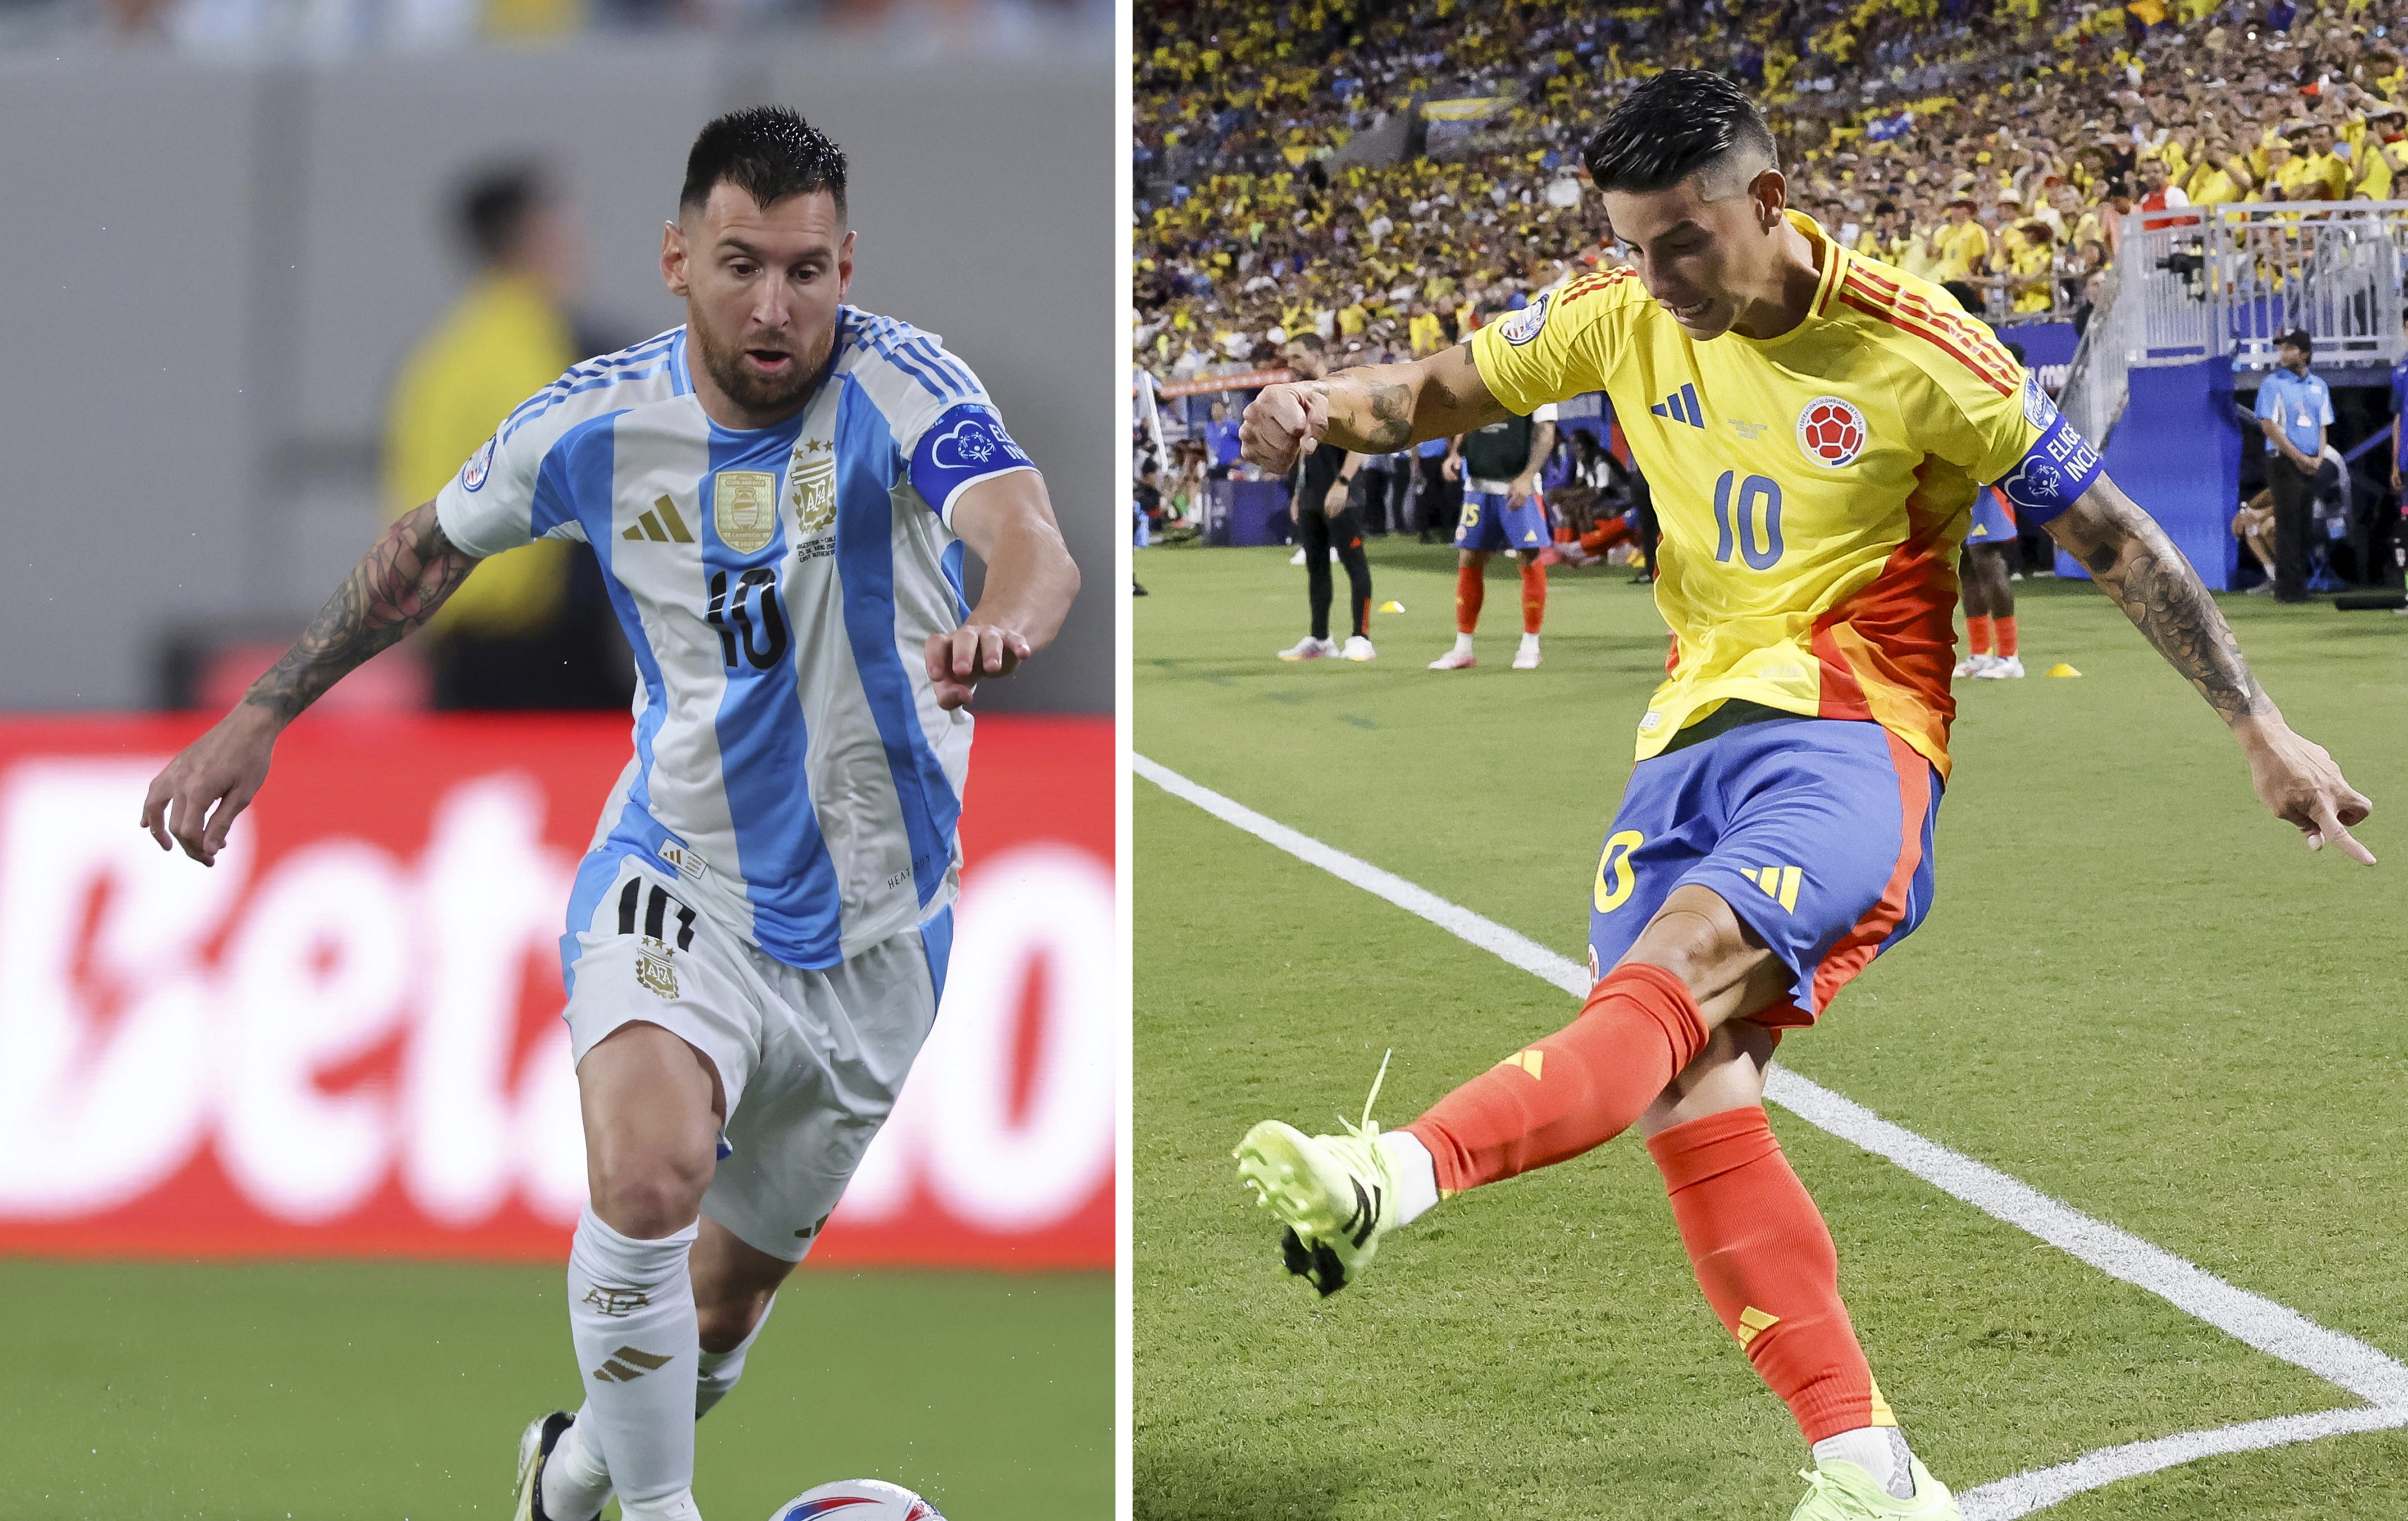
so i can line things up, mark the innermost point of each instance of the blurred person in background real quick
(1221, 437)
(532, 628)
(2293, 408)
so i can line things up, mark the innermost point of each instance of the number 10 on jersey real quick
(1755, 495)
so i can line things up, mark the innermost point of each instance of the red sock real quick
(1578, 1089)
(1470, 591)
(2006, 628)
(1977, 634)
(1534, 594)
(1605, 536)
(1767, 1264)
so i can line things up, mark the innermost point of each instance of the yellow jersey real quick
(493, 350)
(1812, 489)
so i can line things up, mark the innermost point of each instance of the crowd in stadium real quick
(1388, 173)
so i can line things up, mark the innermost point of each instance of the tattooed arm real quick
(2133, 562)
(1373, 410)
(395, 587)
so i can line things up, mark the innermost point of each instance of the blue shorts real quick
(1816, 831)
(1994, 522)
(1488, 523)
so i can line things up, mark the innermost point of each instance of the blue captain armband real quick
(2057, 468)
(962, 448)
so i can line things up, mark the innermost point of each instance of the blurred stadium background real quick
(288, 1149)
(2134, 993)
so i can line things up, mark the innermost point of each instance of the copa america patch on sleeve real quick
(1524, 326)
(2057, 468)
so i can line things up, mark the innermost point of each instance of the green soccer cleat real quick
(1337, 1194)
(1839, 1490)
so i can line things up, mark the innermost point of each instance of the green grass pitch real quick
(2136, 992)
(390, 1391)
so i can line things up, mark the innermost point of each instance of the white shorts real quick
(811, 1061)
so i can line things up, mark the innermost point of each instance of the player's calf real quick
(651, 1108)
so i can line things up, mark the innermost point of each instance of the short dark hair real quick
(1968, 298)
(494, 205)
(1309, 339)
(768, 151)
(2297, 338)
(1673, 125)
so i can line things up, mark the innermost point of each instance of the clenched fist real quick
(1282, 422)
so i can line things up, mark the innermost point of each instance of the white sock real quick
(1462, 645)
(631, 1317)
(716, 1373)
(1530, 641)
(1416, 1174)
(1879, 1451)
(576, 1485)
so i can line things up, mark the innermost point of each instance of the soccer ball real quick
(857, 1499)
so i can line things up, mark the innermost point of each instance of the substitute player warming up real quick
(779, 492)
(1502, 509)
(1776, 833)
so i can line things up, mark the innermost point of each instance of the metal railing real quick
(2097, 381)
(2228, 281)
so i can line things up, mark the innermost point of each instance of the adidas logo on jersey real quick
(1681, 406)
(661, 524)
(1780, 883)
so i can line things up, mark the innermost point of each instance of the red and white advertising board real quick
(344, 1040)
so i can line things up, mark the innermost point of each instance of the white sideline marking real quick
(2020, 1494)
(2274, 1329)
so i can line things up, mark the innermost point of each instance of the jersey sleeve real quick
(1562, 344)
(2014, 437)
(491, 504)
(946, 428)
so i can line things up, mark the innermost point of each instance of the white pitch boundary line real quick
(2275, 1330)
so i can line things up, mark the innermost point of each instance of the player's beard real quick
(763, 395)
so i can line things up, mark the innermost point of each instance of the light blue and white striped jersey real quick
(777, 588)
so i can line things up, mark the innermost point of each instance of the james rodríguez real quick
(779, 491)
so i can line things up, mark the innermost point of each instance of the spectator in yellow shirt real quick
(2328, 169)
(1963, 245)
(508, 637)
(2031, 266)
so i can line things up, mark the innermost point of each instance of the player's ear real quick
(673, 258)
(1772, 193)
(844, 265)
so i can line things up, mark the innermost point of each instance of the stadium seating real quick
(1389, 173)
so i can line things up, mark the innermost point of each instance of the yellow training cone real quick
(2061, 668)
(1391, 606)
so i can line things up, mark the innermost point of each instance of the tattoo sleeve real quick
(1380, 408)
(395, 587)
(2133, 562)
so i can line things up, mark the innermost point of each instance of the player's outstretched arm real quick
(395, 587)
(2133, 562)
(1374, 408)
(1007, 519)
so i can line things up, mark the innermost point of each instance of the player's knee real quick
(647, 1193)
(1698, 938)
(725, 1322)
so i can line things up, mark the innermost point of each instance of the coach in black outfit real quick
(1324, 519)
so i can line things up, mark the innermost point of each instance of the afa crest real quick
(655, 972)
(743, 508)
(812, 493)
